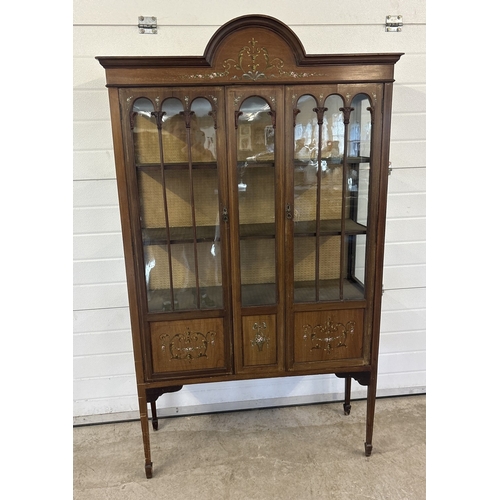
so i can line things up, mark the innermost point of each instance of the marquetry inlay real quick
(252, 62)
(328, 336)
(188, 345)
(260, 338)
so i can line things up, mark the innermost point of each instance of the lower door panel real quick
(328, 335)
(188, 345)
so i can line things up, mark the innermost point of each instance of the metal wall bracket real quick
(147, 25)
(393, 23)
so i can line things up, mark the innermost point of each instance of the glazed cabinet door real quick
(175, 156)
(330, 203)
(255, 172)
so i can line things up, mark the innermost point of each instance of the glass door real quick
(255, 170)
(328, 184)
(177, 178)
(177, 155)
(331, 167)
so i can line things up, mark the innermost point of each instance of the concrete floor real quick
(309, 452)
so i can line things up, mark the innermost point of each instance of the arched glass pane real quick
(152, 213)
(205, 198)
(179, 193)
(357, 190)
(305, 198)
(174, 136)
(203, 131)
(256, 199)
(191, 204)
(146, 143)
(318, 181)
(330, 199)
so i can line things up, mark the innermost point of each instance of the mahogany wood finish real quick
(252, 186)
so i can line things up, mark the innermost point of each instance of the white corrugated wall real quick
(104, 379)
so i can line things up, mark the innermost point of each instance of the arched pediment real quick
(281, 38)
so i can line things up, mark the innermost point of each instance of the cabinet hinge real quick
(390, 168)
(147, 25)
(393, 23)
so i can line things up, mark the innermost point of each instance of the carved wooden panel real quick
(259, 340)
(187, 345)
(328, 335)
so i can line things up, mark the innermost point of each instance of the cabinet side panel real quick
(126, 231)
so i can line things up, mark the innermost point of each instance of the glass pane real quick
(318, 181)
(179, 204)
(149, 181)
(304, 258)
(354, 286)
(206, 204)
(146, 142)
(157, 278)
(174, 136)
(357, 189)
(330, 199)
(332, 163)
(359, 164)
(256, 199)
(305, 199)
(329, 267)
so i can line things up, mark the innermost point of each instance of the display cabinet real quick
(252, 186)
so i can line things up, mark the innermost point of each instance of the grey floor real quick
(295, 453)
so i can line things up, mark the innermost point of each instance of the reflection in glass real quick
(146, 142)
(330, 198)
(256, 200)
(178, 186)
(357, 189)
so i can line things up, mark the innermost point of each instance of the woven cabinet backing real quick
(205, 191)
(183, 265)
(305, 190)
(305, 258)
(174, 140)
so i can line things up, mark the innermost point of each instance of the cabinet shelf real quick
(329, 290)
(255, 164)
(298, 163)
(328, 227)
(177, 166)
(333, 160)
(185, 299)
(332, 227)
(158, 235)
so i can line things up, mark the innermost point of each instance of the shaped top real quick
(245, 50)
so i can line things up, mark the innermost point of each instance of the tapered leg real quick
(370, 414)
(154, 415)
(143, 411)
(347, 403)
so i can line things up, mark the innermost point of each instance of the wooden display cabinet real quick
(252, 186)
